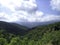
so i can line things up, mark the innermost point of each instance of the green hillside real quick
(40, 35)
(13, 28)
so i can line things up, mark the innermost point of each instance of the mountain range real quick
(13, 27)
(15, 34)
(19, 29)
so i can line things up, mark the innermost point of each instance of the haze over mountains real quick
(34, 24)
(31, 24)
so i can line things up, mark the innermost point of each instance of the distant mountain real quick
(13, 27)
(34, 24)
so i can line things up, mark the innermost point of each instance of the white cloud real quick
(55, 4)
(6, 17)
(34, 18)
(50, 17)
(24, 10)
(17, 16)
(21, 4)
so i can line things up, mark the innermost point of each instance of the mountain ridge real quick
(13, 28)
(11, 34)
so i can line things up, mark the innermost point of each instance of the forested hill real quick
(13, 28)
(14, 34)
(38, 31)
(55, 26)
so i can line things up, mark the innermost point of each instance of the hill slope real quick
(13, 28)
(38, 31)
(40, 35)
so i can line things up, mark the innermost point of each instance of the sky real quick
(29, 10)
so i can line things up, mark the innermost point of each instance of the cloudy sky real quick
(29, 10)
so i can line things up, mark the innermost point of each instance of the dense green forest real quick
(14, 34)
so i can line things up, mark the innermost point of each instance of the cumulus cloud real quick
(55, 4)
(19, 4)
(24, 11)
(21, 15)
(28, 18)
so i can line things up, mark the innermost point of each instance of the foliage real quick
(40, 35)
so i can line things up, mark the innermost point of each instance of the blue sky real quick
(29, 10)
(44, 5)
